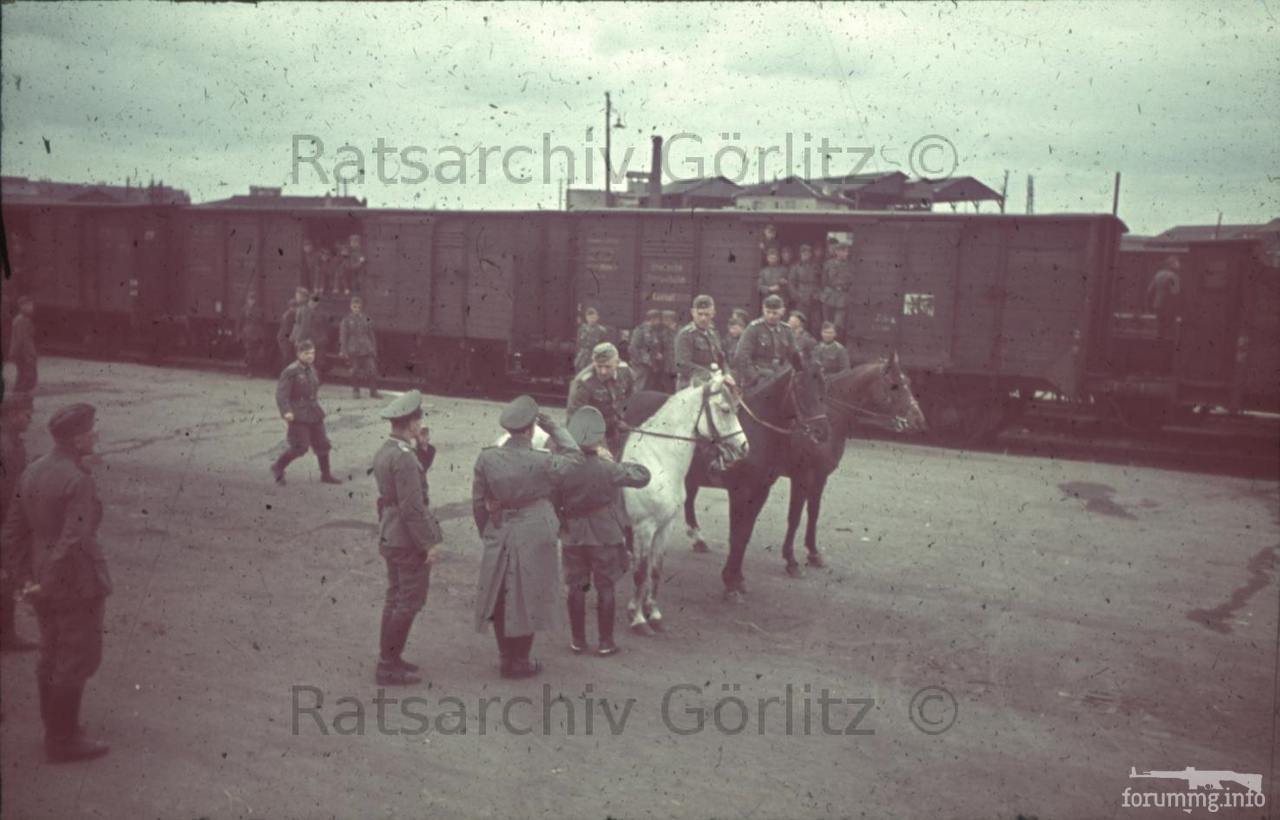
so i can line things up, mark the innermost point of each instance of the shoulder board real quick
(585, 374)
(404, 447)
(623, 366)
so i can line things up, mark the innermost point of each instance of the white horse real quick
(706, 412)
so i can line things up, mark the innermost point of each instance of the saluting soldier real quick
(590, 334)
(606, 385)
(644, 351)
(511, 501)
(698, 344)
(767, 345)
(16, 409)
(297, 399)
(22, 345)
(358, 343)
(837, 277)
(408, 534)
(52, 553)
(669, 328)
(805, 343)
(829, 353)
(595, 524)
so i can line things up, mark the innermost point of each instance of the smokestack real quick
(655, 175)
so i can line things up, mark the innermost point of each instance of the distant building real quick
(267, 197)
(789, 194)
(15, 189)
(1268, 233)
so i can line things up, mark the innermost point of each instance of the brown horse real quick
(877, 393)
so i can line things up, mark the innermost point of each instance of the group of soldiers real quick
(814, 280)
(338, 269)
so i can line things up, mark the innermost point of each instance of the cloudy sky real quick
(1183, 99)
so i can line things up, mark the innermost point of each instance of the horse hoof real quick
(655, 624)
(816, 560)
(793, 570)
(642, 629)
(734, 596)
(701, 546)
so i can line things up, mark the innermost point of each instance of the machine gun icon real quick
(1205, 780)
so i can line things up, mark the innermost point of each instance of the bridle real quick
(897, 421)
(704, 409)
(803, 424)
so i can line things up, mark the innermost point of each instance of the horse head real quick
(718, 420)
(889, 392)
(808, 390)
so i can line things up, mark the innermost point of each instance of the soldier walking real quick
(22, 345)
(358, 343)
(52, 553)
(16, 409)
(766, 347)
(606, 385)
(408, 534)
(296, 398)
(698, 344)
(511, 501)
(594, 533)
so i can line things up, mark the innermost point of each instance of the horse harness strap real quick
(802, 423)
(695, 438)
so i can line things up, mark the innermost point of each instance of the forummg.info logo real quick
(1210, 790)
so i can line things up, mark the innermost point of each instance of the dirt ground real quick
(997, 636)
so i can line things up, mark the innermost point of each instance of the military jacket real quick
(297, 392)
(837, 275)
(832, 356)
(306, 324)
(696, 351)
(770, 276)
(609, 396)
(404, 515)
(806, 278)
(805, 343)
(590, 500)
(51, 530)
(356, 336)
(645, 347)
(588, 337)
(285, 331)
(763, 349)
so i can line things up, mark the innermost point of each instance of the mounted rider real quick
(767, 346)
(698, 344)
(606, 385)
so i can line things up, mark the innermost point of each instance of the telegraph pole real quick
(608, 145)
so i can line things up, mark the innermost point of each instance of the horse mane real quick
(856, 379)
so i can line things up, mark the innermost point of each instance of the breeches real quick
(599, 565)
(304, 434)
(70, 640)
(408, 578)
(364, 368)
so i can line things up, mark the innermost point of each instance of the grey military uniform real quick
(609, 396)
(404, 516)
(763, 350)
(307, 324)
(696, 351)
(297, 392)
(511, 500)
(832, 356)
(595, 520)
(771, 277)
(588, 337)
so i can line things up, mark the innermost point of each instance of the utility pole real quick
(1115, 197)
(1031, 194)
(1004, 190)
(608, 145)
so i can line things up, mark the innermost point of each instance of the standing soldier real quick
(644, 351)
(408, 534)
(1162, 297)
(829, 353)
(511, 501)
(767, 346)
(296, 397)
(668, 339)
(307, 322)
(805, 279)
(353, 264)
(805, 343)
(358, 344)
(773, 276)
(698, 344)
(284, 334)
(22, 345)
(16, 409)
(51, 539)
(837, 277)
(595, 524)
(253, 335)
(606, 385)
(736, 326)
(590, 334)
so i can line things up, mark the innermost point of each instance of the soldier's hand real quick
(431, 553)
(424, 437)
(604, 453)
(544, 421)
(288, 417)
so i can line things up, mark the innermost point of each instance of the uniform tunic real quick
(837, 275)
(406, 527)
(51, 537)
(609, 396)
(644, 354)
(832, 356)
(806, 280)
(772, 276)
(511, 501)
(357, 342)
(731, 346)
(763, 350)
(284, 334)
(595, 519)
(696, 351)
(306, 325)
(805, 343)
(297, 392)
(588, 337)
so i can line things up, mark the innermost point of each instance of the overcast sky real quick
(1183, 99)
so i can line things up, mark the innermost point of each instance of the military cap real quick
(408, 405)
(19, 401)
(519, 414)
(587, 426)
(71, 421)
(653, 313)
(703, 301)
(604, 352)
(799, 315)
(668, 314)
(773, 300)
(736, 320)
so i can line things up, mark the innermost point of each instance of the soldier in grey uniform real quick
(594, 528)
(698, 344)
(359, 344)
(767, 346)
(22, 345)
(16, 409)
(253, 336)
(52, 553)
(804, 283)
(644, 351)
(667, 337)
(590, 334)
(296, 398)
(307, 322)
(408, 534)
(736, 325)
(829, 353)
(805, 343)
(773, 278)
(837, 278)
(284, 333)
(606, 385)
(511, 500)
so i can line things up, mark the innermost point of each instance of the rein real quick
(703, 409)
(801, 423)
(862, 412)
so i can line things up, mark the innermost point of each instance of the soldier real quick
(590, 334)
(1162, 297)
(773, 276)
(805, 343)
(307, 322)
(408, 534)
(359, 344)
(669, 329)
(53, 555)
(606, 385)
(16, 409)
(253, 335)
(698, 344)
(351, 267)
(829, 353)
(736, 326)
(767, 345)
(805, 278)
(22, 345)
(644, 351)
(296, 398)
(768, 240)
(511, 501)
(594, 532)
(837, 278)
(284, 333)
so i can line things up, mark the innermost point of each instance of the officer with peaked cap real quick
(16, 409)
(766, 346)
(52, 553)
(408, 534)
(607, 385)
(511, 500)
(594, 534)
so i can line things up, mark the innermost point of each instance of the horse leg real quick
(691, 512)
(811, 526)
(744, 507)
(794, 509)
(651, 611)
(644, 544)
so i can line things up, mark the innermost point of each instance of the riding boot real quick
(326, 476)
(500, 634)
(10, 640)
(65, 743)
(391, 670)
(278, 467)
(578, 620)
(606, 606)
(355, 392)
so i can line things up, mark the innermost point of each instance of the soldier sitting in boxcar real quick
(590, 334)
(606, 385)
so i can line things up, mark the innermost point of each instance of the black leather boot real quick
(277, 468)
(606, 607)
(392, 671)
(66, 744)
(325, 475)
(578, 621)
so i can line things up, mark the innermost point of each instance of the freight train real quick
(990, 313)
